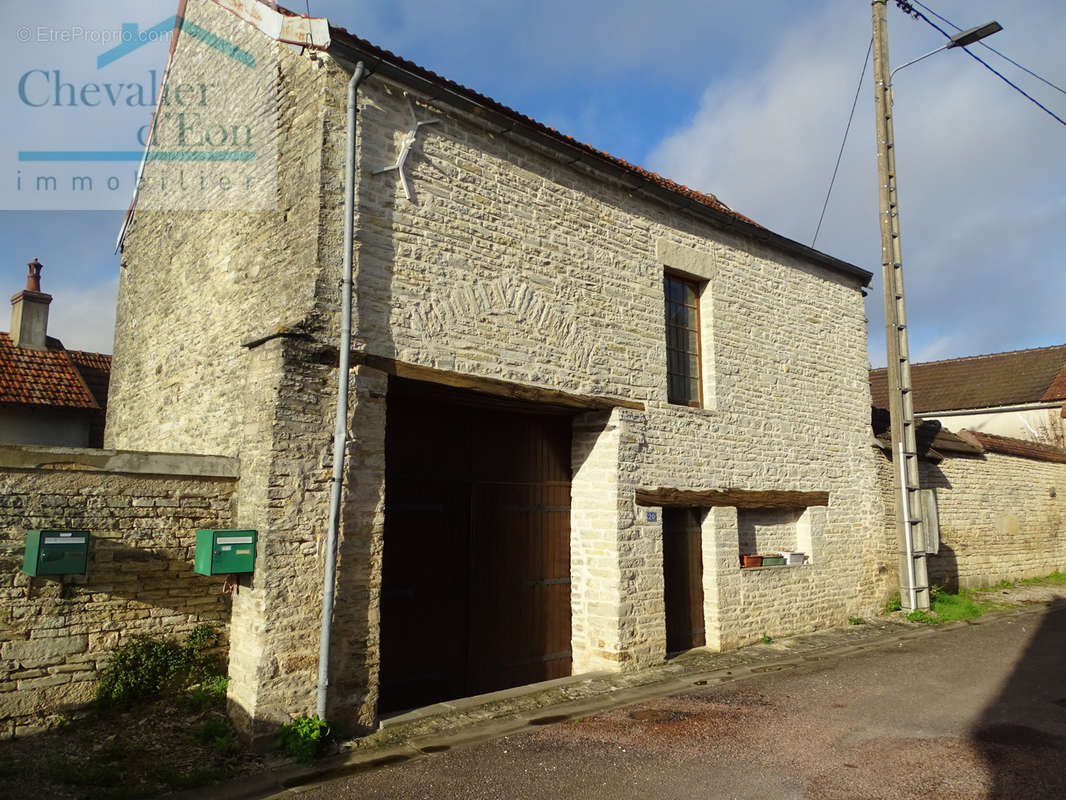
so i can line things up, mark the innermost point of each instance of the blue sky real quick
(744, 100)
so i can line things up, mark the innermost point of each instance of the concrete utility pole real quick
(913, 572)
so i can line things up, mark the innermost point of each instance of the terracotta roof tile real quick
(1057, 389)
(95, 369)
(986, 381)
(1016, 447)
(46, 378)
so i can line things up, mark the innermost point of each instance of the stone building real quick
(580, 391)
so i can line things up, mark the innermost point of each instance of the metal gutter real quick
(343, 46)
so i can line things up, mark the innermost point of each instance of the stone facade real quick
(142, 512)
(1001, 518)
(508, 268)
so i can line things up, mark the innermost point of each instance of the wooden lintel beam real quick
(493, 386)
(741, 498)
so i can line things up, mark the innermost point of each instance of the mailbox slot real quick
(54, 552)
(224, 552)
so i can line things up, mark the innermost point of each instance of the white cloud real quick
(980, 170)
(83, 316)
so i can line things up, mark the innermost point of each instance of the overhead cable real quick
(851, 116)
(984, 44)
(909, 9)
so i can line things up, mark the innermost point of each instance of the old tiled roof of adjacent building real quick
(56, 377)
(987, 381)
(932, 438)
(993, 443)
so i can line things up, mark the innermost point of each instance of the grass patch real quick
(856, 621)
(952, 607)
(1054, 579)
(946, 607)
(895, 603)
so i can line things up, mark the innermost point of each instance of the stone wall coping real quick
(119, 461)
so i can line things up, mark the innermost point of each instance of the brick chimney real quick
(29, 312)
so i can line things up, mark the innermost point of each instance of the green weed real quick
(303, 737)
(856, 621)
(211, 693)
(766, 639)
(895, 603)
(144, 668)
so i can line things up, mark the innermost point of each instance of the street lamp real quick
(960, 39)
(913, 573)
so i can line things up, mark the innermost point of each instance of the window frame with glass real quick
(684, 367)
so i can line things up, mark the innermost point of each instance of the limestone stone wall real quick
(509, 264)
(142, 512)
(198, 283)
(1001, 518)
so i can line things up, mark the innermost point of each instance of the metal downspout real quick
(340, 428)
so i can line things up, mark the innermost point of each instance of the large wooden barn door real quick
(683, 579)
(476, 572)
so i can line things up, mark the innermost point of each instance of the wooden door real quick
(476, 583)
(423, 613)
(683, 579)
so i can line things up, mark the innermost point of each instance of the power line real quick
(840, 155)
(994, 50)
(907, 8)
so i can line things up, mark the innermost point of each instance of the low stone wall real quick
(1002, 517)
(142, 511)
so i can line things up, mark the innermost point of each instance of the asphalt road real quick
(971, 712)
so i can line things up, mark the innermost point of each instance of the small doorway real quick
(683, 579)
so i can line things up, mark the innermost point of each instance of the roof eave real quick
(344, 47)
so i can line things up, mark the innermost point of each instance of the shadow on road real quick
(1022, 734)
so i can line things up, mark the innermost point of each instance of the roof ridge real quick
(980, 355)
(89, 353)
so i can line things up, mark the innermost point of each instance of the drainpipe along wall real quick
(340, 427)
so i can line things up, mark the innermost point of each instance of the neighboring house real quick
(580, 391)
(1020, 394)
(48, 395)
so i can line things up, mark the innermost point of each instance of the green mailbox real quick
(50, 552)
(224, 552)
